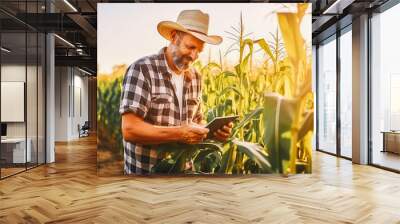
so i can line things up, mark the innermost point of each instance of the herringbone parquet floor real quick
(69, 191)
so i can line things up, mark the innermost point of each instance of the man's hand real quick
(198, 119)
(224, 133)
(193, 133)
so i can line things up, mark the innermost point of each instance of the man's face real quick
(185, 49)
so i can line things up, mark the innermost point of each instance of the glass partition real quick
(22, 78)
(385, 89)
(346, 93)
(327, 96)
(13, 102)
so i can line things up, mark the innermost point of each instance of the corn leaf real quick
(229, 89)
(263, 44)
(248, 118)
(255, 152)
(307, 125)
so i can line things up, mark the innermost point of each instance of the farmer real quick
(161, 95)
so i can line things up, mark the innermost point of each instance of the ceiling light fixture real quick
(84, 71)
(70, 5)
(5, 50)
(333, 8)
(64, 40)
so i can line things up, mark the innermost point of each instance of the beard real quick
(182, 62)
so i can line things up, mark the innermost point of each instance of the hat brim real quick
(165, 29)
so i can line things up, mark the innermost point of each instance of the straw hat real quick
(194, 22)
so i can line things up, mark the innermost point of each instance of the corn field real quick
(273, 99)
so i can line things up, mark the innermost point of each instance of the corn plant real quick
(293, 134)
(108, 118)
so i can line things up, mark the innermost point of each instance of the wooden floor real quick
(10, 171)
(387, 159)
(69, 191)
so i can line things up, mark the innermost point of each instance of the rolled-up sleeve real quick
(136, 92)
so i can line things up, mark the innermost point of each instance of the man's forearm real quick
(136, 130)
(157, 135)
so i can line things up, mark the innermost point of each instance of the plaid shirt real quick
(149, 93)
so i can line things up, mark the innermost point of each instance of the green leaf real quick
(227, 159)
(164, 166)
(307, 125)
(238, 69)
(248, 118)
(208, 145)
(254, 152)
(210, 66)
(210, 115)
(278, 117)
(207, 160)
(229, 89)
(251, 166)
(246, 42)
(227, 74)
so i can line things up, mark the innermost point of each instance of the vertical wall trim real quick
(37, 94)
(338, 77)
(69, 98)
(73, 92)
(360, 90)
(60, 89)
(369, 90)
(80, 102)
(316, 96)
(25, 89)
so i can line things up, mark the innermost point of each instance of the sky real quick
(128, 31)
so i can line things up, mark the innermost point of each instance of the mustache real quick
(182, 58)
(188, 58)
(179, 61)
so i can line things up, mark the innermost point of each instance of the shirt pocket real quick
(161, 109)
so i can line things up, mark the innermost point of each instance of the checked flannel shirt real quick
(148, 92)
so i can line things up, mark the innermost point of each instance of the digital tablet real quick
(218, 122)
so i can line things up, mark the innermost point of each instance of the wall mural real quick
(210, 89)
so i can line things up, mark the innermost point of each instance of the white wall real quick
(71, 94)
(80, 110)
(16, 73)
(33, 127)
(61, 103)
(12, 73)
